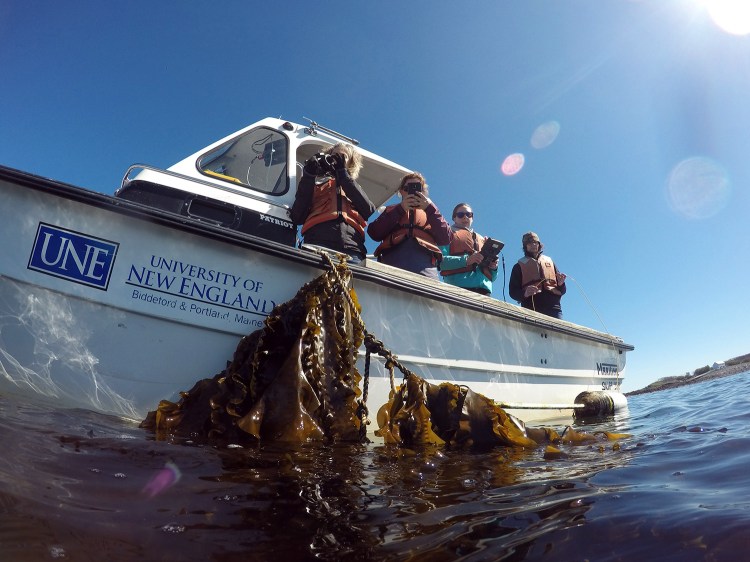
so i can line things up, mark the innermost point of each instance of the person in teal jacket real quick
(462, 263)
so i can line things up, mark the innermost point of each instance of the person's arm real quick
(493, 271)
(439, 228)
(355, 193)
(302, 200)
(386, 223)
(514, 285)
(562, 287)
(450, 262)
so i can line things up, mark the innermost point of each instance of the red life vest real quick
(419, 230)
(329, 203)
(540, 269)
(466, 242)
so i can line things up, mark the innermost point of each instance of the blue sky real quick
(641, 197)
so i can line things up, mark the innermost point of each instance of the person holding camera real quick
(330, 205)
(534, 281)
(464, 264)
(411, 231)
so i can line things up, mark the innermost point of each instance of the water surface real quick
(73, 486)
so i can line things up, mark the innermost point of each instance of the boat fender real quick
(598, 404)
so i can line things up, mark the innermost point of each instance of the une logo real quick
(72, 255)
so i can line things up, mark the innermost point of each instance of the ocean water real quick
(78, 485)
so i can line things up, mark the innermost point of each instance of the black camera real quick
(326, 161)
(412, 188)
(320, 164)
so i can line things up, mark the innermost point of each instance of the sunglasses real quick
(462, 214)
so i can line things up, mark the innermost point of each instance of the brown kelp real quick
(293, 380)
(296, 380)
(420, 413)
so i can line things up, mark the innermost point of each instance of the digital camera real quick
(326, 161)
(412, 188)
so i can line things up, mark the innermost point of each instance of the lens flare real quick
(545, 134)
(512, 164)
(698, 188)
(162, 480)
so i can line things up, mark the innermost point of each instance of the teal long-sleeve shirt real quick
(471, 279)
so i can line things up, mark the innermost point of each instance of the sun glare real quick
(733, 16)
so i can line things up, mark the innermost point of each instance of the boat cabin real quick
(247, 181)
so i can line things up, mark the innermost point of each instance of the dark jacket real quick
(545, 302)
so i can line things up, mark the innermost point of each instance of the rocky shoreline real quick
(676, 382)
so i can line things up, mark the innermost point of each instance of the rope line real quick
(371, 343)
(596, 312)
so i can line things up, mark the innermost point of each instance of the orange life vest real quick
(419, 230)
(466, 242)
(329, 203)
(535, 270)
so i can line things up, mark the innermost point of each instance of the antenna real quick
(314, 127)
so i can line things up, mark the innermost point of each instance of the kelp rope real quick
(372, 344)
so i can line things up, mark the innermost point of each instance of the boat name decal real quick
(172, 283)
(71, 255)
(606, 368)
(276, 220)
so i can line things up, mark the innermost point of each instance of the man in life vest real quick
(535, 282)
(411, 232)
(331, 207)
(463, 263)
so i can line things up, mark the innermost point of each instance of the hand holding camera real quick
(474, 259)
(339, 161)
(414, 197)
(313, 166)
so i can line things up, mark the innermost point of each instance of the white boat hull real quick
(177, 295)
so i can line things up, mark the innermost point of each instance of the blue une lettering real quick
(74, 256)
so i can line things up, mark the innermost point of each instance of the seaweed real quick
(296, 380)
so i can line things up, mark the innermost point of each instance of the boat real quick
(115, 302)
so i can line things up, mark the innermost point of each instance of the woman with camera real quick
(411, 231)
(464, 265)
(331, 207)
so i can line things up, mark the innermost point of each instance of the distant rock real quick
(728, 368)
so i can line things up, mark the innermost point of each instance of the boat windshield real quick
(256, 160)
